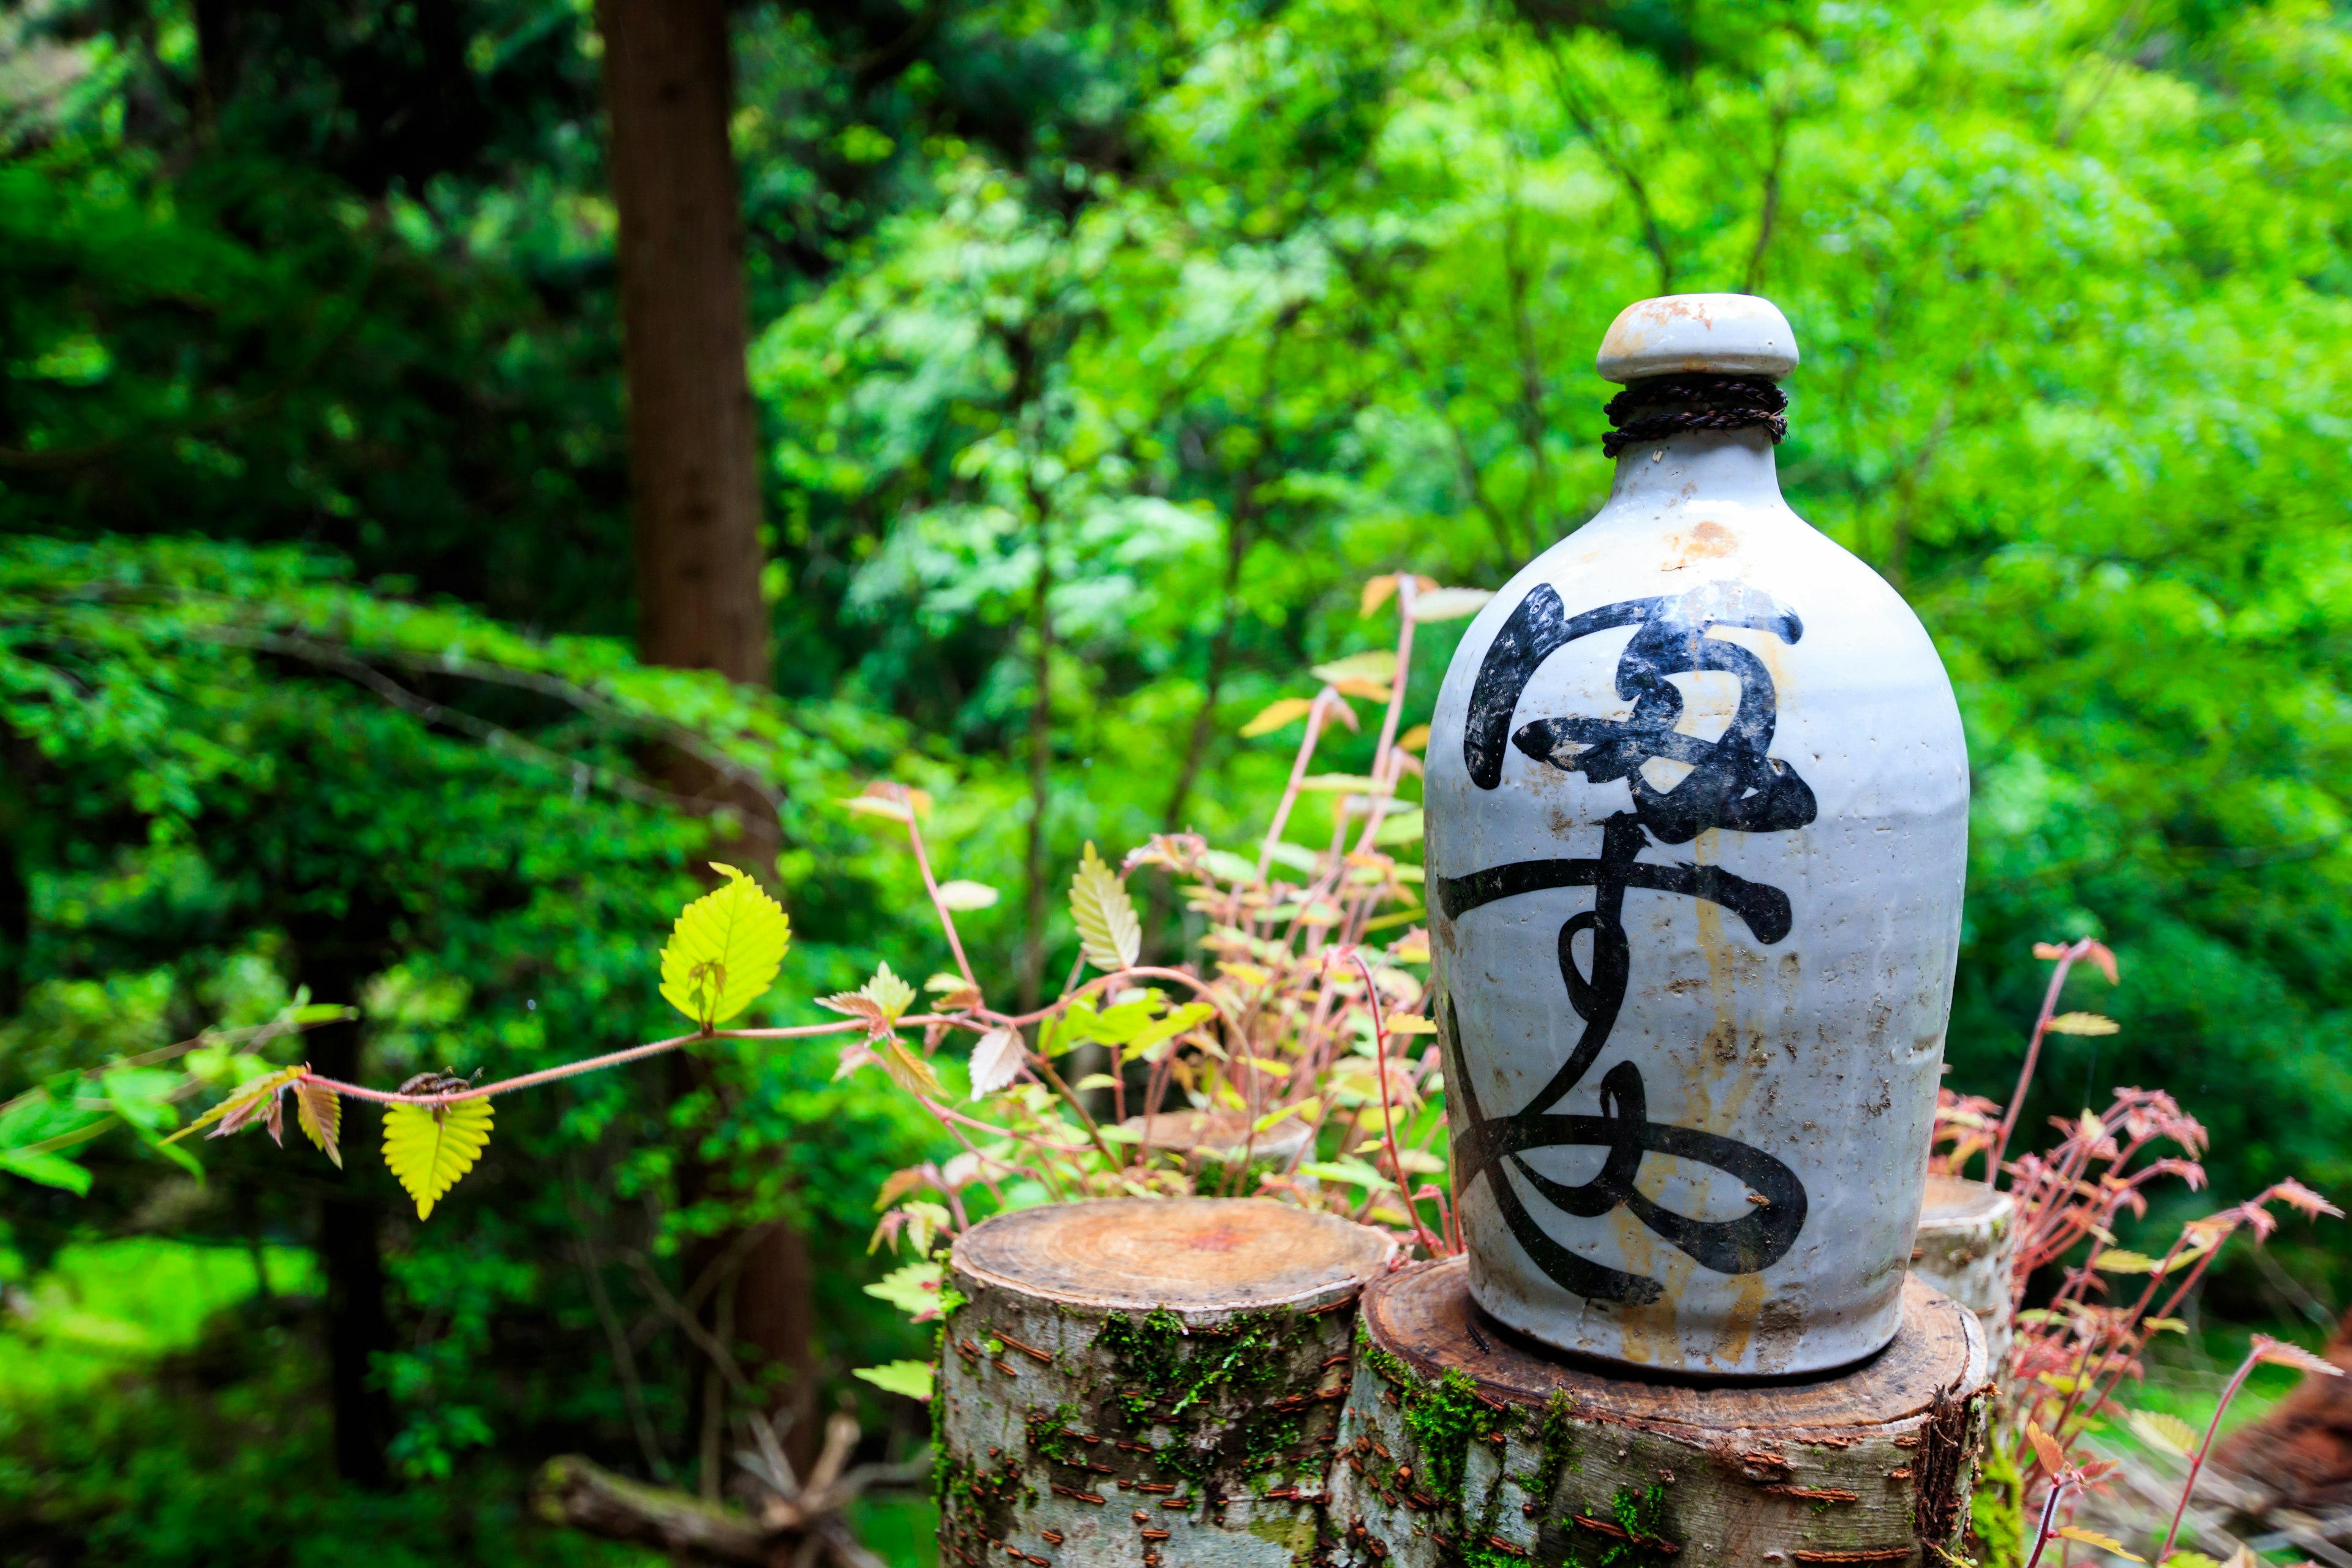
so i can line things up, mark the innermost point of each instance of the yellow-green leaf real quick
(320, 1109)
(1378, 664)
(911, 1378)
(1450, 604)
(241, 1106)
(2159, 1430)
(2120, 1260)
(907, 1070)
(2092, 1538)
(1274, 715)
(963, 894)
(428, 1151)
(2084, 1024)
(724, 952)
(1108, 932)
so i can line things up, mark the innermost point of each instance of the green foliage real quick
(724, 952)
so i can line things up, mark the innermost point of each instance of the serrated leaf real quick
(911, 1378)
(907, 1070)
(319, 1110)
(241, 1106)
(2278, 1352)
(912, 1287)
(2045, 1448)
(2084, 1024)
(724, 950)
(428, 1152)
(1108, 932)
(2159, 1430)
(961, 894)
(888, 992)
(1375, 664)
(2092, 1538)
(1275, 714)
(995, 1061)
(1450, 604)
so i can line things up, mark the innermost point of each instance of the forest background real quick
(1098, 352)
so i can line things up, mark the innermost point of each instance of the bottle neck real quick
(1721, 465)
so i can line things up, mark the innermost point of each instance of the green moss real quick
(1997, 1511)
(1556, 1448)
(1642, 1515)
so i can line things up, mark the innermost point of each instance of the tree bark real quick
(1967, 1248)
(1460, 1442)
(1146, 1379)
(694, 468)
(359, 1329)
(694, 465)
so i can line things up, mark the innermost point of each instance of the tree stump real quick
(1140, 1381)
(1967, 1244)
(1218, 1137)
(1463, 1443)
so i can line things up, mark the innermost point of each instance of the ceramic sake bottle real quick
(1697, 826)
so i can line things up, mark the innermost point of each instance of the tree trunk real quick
(358, 1327)
(1460, 1442)
(1967, 1248)
(1152, 1380)
(694, 463)
(694, 468)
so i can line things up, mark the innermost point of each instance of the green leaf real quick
(1348, 1170)
(2084, 1024)
(1227, 866)
(429, 1150)
(912, 1287)
(1450, 604)
(1189, 1015)
(725, 950)
(1398, 827)
(1108, 932)
(48, 1170)
(911, 1378)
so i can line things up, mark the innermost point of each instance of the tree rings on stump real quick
(1967, 1244)
(1146, 1381)
(1462, 1443)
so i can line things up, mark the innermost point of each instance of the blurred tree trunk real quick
(694, 466)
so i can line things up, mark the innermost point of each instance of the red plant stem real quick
(1298, 774)
(1388, 1112)
(1384, 768)
(2033, 1057)
(2230, 1392)
(572, 1070)
(2048, 1522)
(930, 886)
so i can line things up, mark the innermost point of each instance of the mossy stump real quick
(1146, 1382)
(1462, 1443)
(1966, 1246)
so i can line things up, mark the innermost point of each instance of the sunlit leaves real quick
(427, 1150)
(256, 1098)
(2163, 1431)
(2083, 1024)
(911, 1378)
(1108, 932)
(2106, 1543)
(960, 895)
(2279, 1352)
(881, 1002)
(724, 950)
(1275, 714)
(1451, 603)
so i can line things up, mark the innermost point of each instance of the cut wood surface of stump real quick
(1461, 1443)
(1966, 1243)
(1151, 1382)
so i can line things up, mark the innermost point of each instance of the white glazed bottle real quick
(1697, 829)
